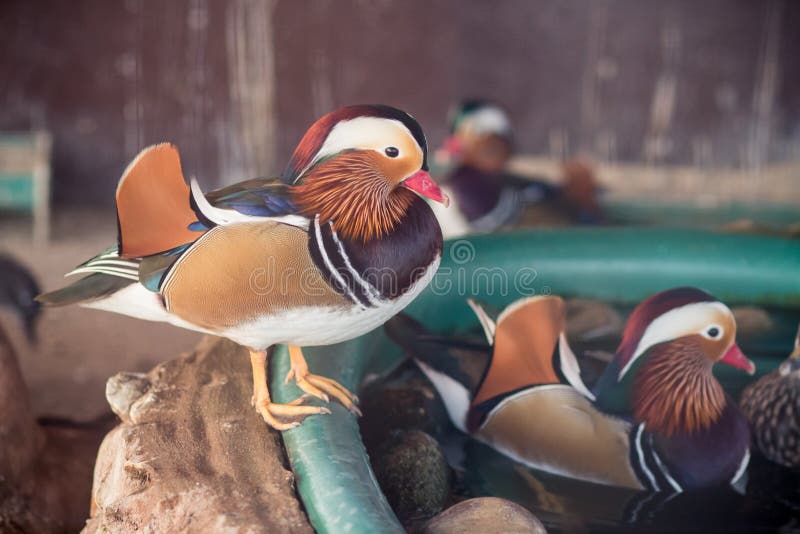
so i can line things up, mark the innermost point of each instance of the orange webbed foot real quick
(318, 386)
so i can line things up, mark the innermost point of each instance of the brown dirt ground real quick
(78, 348)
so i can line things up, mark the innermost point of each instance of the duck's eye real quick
(392, 152)
(714, 332)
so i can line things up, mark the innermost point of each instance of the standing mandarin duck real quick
(657, 420)
(332, 249)
(772, 406)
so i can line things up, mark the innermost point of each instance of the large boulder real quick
(191, 454)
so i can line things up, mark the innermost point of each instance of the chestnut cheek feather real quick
(350, 190)
(675, 389)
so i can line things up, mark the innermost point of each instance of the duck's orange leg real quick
(273, 413)
(318, 386)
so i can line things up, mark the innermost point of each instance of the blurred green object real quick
(16, 192)
(25, 178)
(618, 265)
(686, 215)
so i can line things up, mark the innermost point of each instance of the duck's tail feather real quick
(454, 366)
(108, 273)
(113, 293)
(94, 287)
(109, 262)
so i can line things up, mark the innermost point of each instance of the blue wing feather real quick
(261, 197)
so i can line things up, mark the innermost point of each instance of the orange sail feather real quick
(526, 336)
(153, 206)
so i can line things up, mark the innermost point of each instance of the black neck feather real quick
(390, 264)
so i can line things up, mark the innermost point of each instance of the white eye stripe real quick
(676, 323)
(366, 133)
(486, 120)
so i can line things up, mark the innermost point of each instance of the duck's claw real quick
(337, 391)
(318, 386)
(273, 413)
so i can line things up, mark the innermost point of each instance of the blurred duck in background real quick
(772, 406)
(18, 290)
(578, 196)
(486, 197)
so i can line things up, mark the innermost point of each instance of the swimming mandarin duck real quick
(486, 196)
(772, 406)
(657, 419)
(477, 151)
(332, 249)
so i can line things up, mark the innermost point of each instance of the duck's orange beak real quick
(421, 183)
(736, 358)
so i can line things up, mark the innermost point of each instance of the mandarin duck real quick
(18, 290)
(657, 419)
(772, 406)
(332, 249)
(486, 196)
(475, 154)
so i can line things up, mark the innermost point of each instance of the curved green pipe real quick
(330, 463)
(620, 265)
(692, 215)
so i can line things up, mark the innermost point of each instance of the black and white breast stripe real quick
(648, 465)
(330, 256)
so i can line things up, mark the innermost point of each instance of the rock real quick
(20, 438)
(45, 466)
(485, 515)
(412, 405)
(66, 466)
(413, 474)
(191, 454)
(123, 389)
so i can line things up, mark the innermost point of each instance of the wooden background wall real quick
(235, 83)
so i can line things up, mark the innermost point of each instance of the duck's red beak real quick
(453, 146)
(736, 358)
(450, 152)
(421, 183)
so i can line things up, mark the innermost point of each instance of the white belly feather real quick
(324, 325)
(307, 326)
